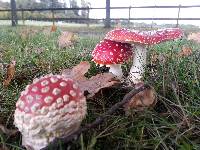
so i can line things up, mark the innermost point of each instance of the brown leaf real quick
(92, 85)
(10, 73)
(53, 28)
(78, 71)
(66, 39)
(186, 51)
(145, 98)
(98, 82)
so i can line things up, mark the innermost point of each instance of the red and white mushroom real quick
(50, 107)
(112, 54)
(140, 39)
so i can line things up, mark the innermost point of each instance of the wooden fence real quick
(88, 20)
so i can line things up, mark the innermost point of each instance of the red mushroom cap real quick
(109, 52)
(52, 106)
(143, 37)
(49, 91)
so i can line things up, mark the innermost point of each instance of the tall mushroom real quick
(112, 54)
(50, 107)
(141, 39)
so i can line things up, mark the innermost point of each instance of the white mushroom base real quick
(116, 70)
(38, 130)
(139, 62)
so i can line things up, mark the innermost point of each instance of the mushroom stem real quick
(116, 70)
(139, 62)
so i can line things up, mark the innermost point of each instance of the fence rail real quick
(100, 8)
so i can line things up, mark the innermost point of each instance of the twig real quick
(56, 142)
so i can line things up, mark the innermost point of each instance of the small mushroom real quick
(141, 39)
(52, 106)
(112, 54)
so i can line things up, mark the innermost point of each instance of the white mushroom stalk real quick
(139, 61)
(116, 70)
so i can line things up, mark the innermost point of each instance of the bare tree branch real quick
(56, 142)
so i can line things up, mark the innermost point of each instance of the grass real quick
(174, 123)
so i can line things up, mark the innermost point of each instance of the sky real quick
(147, 12)
(150, 12)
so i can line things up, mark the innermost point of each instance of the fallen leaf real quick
(98, 82)
(92, 85)
(10, 73)
(66, 39)
(186, 51)
(194, 36)
(144, 99)
(53, 28)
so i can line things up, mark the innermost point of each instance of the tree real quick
(85, 4)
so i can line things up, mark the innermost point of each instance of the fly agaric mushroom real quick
(140, 39)
(50, 107)
(112, 54)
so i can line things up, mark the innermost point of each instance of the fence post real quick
(107, 21)
(23, 17)
(177, 21)
(129, 15)
(13, 12)
(53, 17)
(88, 14)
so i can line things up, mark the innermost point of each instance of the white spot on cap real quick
(111, 53)
(20, 104)
(29, 99)
(59, 100)
(53, 79)
(35, 80)
(72, 93)
(44, 110)
(44, 83)
(38, 97)
(56, 91)
(45, 89)
(66, 98)
(35, 107)
(24, 92)
(63, 84)
(75, 86)
(48, 99)
(34, 89)
(26, 109)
